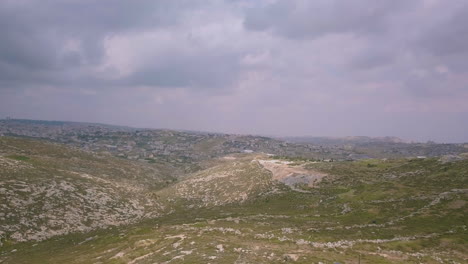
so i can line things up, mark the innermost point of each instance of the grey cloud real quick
(373, 58)
(447, 42)
(205, 69)
(35, 35)
(449, 37)
(312, 19)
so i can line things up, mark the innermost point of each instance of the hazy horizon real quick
(407, 140)
(279, 68)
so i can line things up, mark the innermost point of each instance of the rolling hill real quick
(94, 208)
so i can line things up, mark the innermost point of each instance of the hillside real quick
(234, 181)
(243, 208)
(184, 149)
(187, 149)
(48, 190)
(344, 140)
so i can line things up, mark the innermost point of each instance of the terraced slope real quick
(233, 182)
(392, 211)
(48, 190)
(88, 208)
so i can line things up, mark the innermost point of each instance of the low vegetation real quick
(63, 205)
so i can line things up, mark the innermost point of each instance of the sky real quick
(284, 67)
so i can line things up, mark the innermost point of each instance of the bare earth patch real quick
(457, 204)
(292, 175)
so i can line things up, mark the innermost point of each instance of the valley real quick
(208, 201)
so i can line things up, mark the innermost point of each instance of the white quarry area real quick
(291, 175)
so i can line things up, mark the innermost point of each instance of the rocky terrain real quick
(185, 149)
(79, 202)
(48, 190)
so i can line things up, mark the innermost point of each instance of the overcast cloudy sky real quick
(302, 67)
